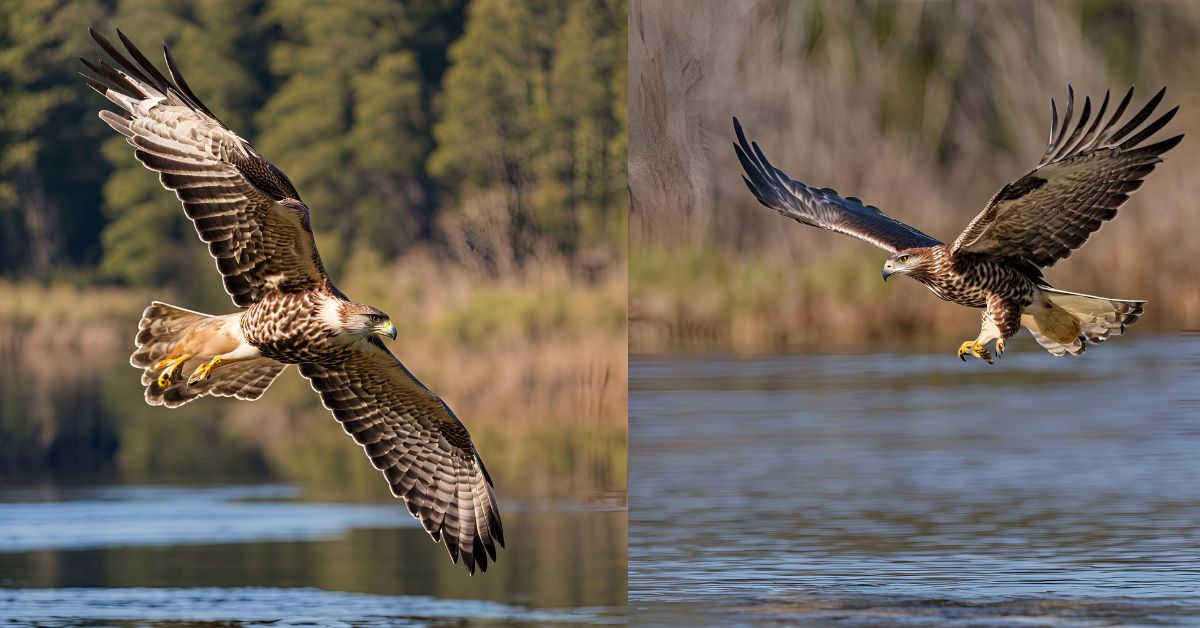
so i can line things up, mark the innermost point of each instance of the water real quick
(913, 489)
(253, 555)
(116, 513)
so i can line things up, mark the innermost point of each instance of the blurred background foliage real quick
(464, 160)
(923, 108)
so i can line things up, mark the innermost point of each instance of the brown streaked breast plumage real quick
(288, 327)
(968, 280)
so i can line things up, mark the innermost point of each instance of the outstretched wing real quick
(1081, 181)
(822, 207)
(242, 206)
(422, 448)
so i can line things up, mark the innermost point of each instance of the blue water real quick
(914, 489)
(254, 555)
(119, 516)
(261, 606)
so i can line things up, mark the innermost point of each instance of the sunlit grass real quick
(708, 297)
(65, 315)
(533, 362)
(705, 296)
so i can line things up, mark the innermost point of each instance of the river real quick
(912, 489)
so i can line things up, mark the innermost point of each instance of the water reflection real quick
(259, 606)
(123, 516)
(113, 512)
(249, 554)
(915, 487)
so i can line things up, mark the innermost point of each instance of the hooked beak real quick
(388, 329)
(886, 274)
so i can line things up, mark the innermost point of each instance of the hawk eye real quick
(902, 259)
(375, 318)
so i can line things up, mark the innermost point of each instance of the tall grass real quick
(924, 109)
(531, 358)
(66, 316)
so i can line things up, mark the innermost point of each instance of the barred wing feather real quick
(421, 447)
(1085, 176)
(821, 207)
(242, 206)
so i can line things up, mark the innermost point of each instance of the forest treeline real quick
(489, 126)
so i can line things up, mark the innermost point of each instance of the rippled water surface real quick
(253, 555)
(914, 489)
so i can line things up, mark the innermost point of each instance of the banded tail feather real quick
(173, 342)
(1069, 321)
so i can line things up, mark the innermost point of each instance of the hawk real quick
(258, 230)
(1086, 174)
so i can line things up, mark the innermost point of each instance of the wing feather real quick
(1079, 184)
(243, 207)
(423, 450)
(821, 207)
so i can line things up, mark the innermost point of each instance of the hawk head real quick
(904, 262)
(364, 320)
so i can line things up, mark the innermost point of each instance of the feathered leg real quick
(1001, 320)
(244, 352)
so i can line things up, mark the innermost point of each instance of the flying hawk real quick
(1086, 174)
(258, 230)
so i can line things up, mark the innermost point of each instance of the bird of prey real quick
(257, 229)
(1086, 174)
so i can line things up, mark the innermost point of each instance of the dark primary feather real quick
(116, 55)
(177, 75)
(1086, 174)
(159, 80)
(821, 207)
(229, 191)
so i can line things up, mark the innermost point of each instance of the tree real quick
(349, 122)
(47, 215)
(529, 110)
(588, 89)
(347, 99)
(148, 240)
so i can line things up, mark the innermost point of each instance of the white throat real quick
(330, 315)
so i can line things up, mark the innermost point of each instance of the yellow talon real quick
(203, 371)
(975, 349)
(167, 377)
(999, 348)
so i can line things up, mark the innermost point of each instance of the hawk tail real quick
(1066, 322)
(172, 342)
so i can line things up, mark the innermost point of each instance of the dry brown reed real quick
(66, 316)
(529, 354)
